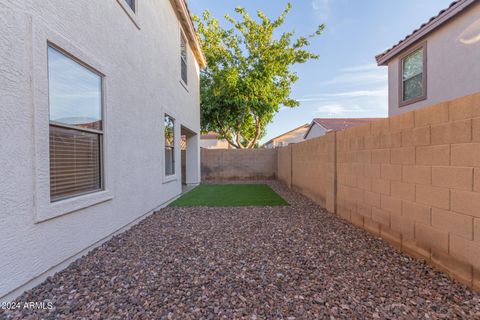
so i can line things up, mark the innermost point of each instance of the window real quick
(183, 58)
(169, 132)
(131, 4)
(76, 128)
(413, 76)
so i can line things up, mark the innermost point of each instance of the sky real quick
(345, 81)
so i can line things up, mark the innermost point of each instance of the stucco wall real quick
(452, 63)
(238, 164)
(294, 136)
(214, 144)
(142, 73)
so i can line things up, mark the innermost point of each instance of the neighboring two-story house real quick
(437, 62)
(94, 98)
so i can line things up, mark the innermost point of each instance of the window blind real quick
(75, 165)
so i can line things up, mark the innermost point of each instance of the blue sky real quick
(345, 81)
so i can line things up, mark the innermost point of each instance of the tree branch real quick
(226, 135)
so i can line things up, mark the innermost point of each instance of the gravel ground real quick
(289, 262)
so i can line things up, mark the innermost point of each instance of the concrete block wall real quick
(238, 164)
(284, 165)
(412, 179)
(312, 171)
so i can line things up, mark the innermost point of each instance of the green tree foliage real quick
(248, 75)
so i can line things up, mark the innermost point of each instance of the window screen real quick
(169, 132)
(183, 59)
(412, 75)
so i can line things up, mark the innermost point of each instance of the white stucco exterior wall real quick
(140, 58)
(316, 131)
(453, 68)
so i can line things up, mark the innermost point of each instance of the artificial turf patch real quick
(230, 195)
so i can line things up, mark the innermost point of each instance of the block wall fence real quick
(412, 179)
(238, 164)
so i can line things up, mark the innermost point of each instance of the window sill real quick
(184, 85)
(130, 13)
(59, 208)
(171, 178)
(411, 101)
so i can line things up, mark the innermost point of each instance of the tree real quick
(248, 74)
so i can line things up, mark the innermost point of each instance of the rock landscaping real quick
(282, 262)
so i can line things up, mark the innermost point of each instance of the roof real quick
(186, 21)
(304, 126)
(338, 124)
(435, 22)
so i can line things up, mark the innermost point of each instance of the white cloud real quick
(361, 75)
(320, 4)
(357, 91)
(363, 67)
(321, 8)
(363, 93)
(336, 109)
(351, 108)
(381, 92)
(358, 78)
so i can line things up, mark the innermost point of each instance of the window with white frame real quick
(76, 127)
(169, 137)
(413, 85)
(183, 58)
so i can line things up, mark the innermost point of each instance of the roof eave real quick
(314, 122)
(383, 58)
(308, 131)
(188, 27)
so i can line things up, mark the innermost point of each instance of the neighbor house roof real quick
(435, 22)
(338, 124)
(283, 135)
(186, 21)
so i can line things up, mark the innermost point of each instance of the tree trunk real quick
(251, 144)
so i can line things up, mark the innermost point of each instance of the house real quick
(283, 140)
(320, 126)
(437, 62)
(95, 96)
(211, 140)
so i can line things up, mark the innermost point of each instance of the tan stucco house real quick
(283, 140)
(212, 140)
(437, 62)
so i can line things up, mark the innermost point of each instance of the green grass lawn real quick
(230, 195)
